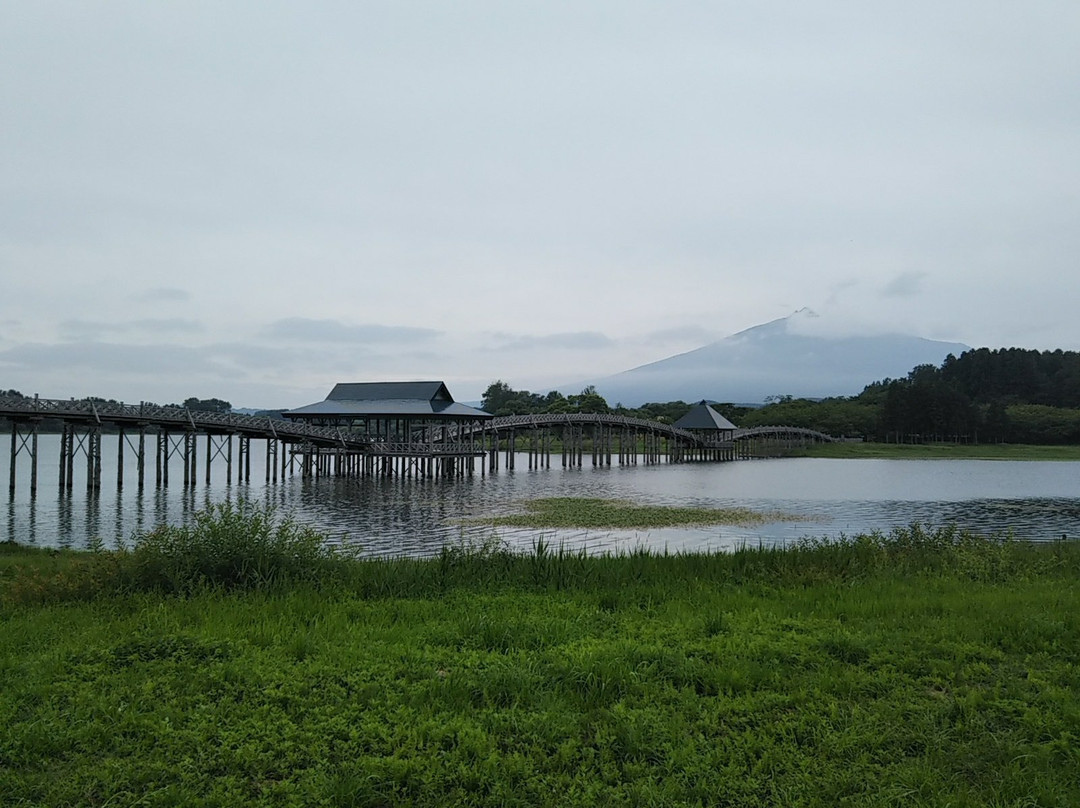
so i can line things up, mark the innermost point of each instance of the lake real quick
(1037, 501)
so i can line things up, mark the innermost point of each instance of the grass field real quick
(917, 669)
(941, 451)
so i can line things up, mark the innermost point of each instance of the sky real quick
(256, 200)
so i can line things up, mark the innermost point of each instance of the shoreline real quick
(940, 451)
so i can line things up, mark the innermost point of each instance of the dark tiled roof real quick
(702, 416)
(422, 400)
(375, 391)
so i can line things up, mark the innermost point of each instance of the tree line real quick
(196, 404)
(1009, 395)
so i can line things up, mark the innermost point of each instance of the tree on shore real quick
(1009, 395)
(207, 405)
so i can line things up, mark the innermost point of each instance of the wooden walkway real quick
(291, 446)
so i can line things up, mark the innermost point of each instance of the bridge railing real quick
(100, 412)
(577, 419)
(757, 431)
(97, 411)
(422, 449)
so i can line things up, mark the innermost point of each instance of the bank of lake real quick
(938, 451)
(921, 668)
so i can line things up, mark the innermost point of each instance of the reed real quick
(242, 547)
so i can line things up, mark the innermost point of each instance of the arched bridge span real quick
(793, 432)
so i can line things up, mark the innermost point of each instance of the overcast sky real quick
(255, 200)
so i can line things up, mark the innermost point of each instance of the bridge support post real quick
(142, 456)
(243, 455)
(123, 443)
(24, 442)
(62, 481)
(120, 459)
(191, 458)
(33, 458)
(14, 454)
(93, 458)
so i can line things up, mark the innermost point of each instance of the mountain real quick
(782, 357)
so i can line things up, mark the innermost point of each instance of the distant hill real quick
(782, 357)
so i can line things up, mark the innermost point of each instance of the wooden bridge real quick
(291, 446)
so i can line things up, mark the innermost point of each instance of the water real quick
(1037, 501)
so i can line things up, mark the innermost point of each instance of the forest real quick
(1008, 395)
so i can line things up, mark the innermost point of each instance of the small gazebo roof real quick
(703, 416)
(422, 400)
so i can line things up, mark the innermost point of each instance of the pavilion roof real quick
(703, 416)
(424, 400)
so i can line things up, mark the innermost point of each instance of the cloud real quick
(171, 324)
(104, 357)
(837, 290)
(95, 329)
(86, 329)
(309, 330)
(906, 284)
(569, 340)
(681, 334)
(163, 294)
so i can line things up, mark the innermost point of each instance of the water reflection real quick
(1036, 500)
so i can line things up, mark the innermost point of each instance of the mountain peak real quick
(800, 321)
(801, 355)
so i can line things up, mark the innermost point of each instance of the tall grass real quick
(239, 546)
(242, 547)
(226, 546)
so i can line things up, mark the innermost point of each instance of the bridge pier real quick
(124, 442)
(243, 459)
(169, 446)
(219, 446)
(24, 442)
(71, 444)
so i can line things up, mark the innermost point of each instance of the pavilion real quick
(706, 422)
(410, 428)
(398, 412)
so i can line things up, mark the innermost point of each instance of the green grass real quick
(584, 512)
(940, 451)
(922, 668)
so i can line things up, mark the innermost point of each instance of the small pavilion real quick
(399, 412)
(703, 420)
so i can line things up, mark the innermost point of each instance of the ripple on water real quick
(1035, 500)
